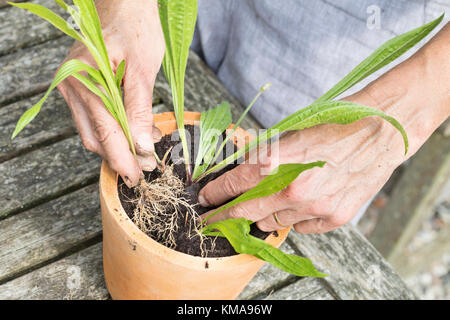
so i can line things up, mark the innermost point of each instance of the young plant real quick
(322, 111)
(178, 19)
(212, 124)
(89, 32)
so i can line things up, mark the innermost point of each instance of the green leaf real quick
(86, 17)
(337, 112)
(278, 180)
(326, 112)
(119, 73)
(230, 134)
(49, 16)
(91, 26)
(94, 89)
(62, 4)
(212, 124)
(70, 68)
(178, 19)
(384, 55)
(237, 232)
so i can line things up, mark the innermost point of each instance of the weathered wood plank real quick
(303, 289)
(267, 279)
(76, 277)
(44, 233)
(45, 173)
(53, 122)
(413, 198)
(410, 263)
(356, 269)
(30, 71)
(19, 29)
(4, 3)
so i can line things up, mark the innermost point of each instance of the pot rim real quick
(109, 191)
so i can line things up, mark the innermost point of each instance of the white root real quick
(158, 208)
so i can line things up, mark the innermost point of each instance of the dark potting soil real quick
(185, 244)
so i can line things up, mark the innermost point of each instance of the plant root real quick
(159, 206)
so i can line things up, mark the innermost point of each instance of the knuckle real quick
(89, 143)
(141, 114)
(337, 220)
(239, 212)
(319, 209)
(292, 193)
(102, 130)
(298, 228)
(230, 185)
(264, 226)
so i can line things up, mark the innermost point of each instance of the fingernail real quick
(144, 144)
(202, 201)
(128, 182)
(147, 163)
(156, 134)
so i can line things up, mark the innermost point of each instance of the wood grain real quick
(30, 71)
(356, 269)
(20, 29)
(413, 199)
(53, 122)
(76, 277)
(44, 174)
(303, 289)
(269, 278)
(49, 231)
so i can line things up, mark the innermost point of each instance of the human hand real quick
(360, 158)
(132, 32)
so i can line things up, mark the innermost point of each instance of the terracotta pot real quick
(137, 267)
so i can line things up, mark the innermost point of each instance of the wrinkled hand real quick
(132, 32)
(360, 158)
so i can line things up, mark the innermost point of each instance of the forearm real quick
(416, 93)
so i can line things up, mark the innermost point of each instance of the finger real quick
(81, 119)
(254, 210)
(156, 134)
(110, 136)
(138, 95)
(285, 218)
(146, 163)
(314, 226)
(230, 185)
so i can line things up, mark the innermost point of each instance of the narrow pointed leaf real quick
(178, 19)
(326, 112)
(70, 68)
(281, 177)
(49, 16)
(119, 73)
(237, 232)
(94, 89)
(230, 134)
(384, 55)
(212, 124)
(62, 4)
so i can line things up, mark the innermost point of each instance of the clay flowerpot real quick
(137, 267)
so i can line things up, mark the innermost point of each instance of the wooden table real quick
(50, 225)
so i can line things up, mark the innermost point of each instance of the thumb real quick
(138, 96)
